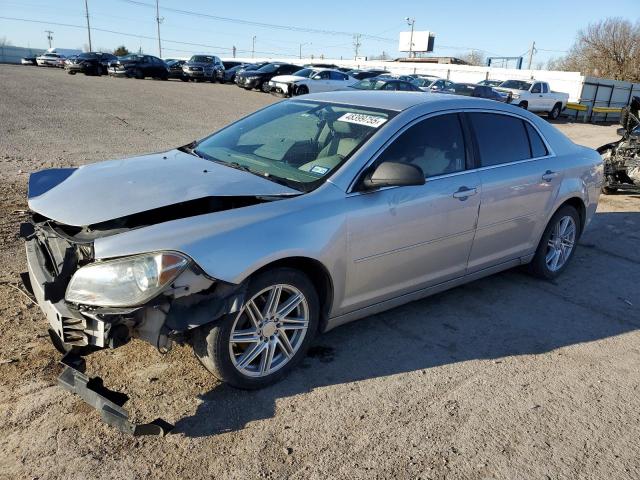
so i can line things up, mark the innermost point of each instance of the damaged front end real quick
(622, 158)
(83, 318)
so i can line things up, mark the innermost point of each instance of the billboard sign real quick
(422, 42)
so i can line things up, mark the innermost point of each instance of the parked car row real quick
(288, 79)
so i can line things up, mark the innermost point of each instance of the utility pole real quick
(253, 46)
(234, 51)
(49, 36)
(158, 19)
(86, 11)
(531, 52)
(356, 44)
(302, 45)
(411, 22)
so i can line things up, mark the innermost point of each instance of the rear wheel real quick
(557, 244)
(555, 111)
(269, 336)
(138, 74)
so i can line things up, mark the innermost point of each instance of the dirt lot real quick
(505, 378)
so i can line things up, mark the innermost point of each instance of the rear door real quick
(403, 239)
(519, 185)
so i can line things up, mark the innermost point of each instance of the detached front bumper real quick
(108, 402)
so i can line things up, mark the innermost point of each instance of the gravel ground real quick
(507, 377)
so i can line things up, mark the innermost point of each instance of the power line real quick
(146, 37)
(291, 28)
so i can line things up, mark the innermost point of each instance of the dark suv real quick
(203, 67)
(89, 63)
(260, 78)
(139, 66)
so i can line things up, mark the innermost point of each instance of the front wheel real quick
(260, 344)
(524, 105)
(302, 90)
(557, 244)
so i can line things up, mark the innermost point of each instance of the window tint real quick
(436, 145)
(536, 88)
(501, 138)
(545, 88)
(538, 149)
(337, 76)
(390, 86)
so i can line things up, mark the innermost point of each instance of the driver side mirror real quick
(621, 132)
(393, 174)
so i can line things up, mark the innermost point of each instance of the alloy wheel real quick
(561, 243)
(269, 330)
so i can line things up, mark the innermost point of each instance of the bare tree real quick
(474, 57)
(609, 48)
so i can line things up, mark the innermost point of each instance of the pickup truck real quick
(535, 96)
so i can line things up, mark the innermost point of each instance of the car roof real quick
(399, 101)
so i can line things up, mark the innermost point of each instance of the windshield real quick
(86, 56)
(516, 84)
(201, 59)
(305, 72)
(296, 143)
(369, 84)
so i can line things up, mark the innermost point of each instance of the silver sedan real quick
(303, 216)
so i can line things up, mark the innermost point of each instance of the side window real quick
(436, 145)
(325, 75)
(538, 149)
(545, 88)
(390, 86)
(337, 76)
(405, 86)
(501, 138)
(536, 88)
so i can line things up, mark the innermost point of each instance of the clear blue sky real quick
(495, 27)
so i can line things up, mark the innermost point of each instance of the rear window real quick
(501, 138)
(538, 149)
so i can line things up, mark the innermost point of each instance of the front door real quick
(402, 239)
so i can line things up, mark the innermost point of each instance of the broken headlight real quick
(125, 282)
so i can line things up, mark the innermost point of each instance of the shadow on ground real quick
(504, 315)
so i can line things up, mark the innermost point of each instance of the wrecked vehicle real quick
(303, 216)
(622, 158)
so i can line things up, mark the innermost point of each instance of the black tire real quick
(524, 105)
(137, 73)
(608, 190)
(263, 87)
(184, 79)
(555, 112)
(538, 266)
(70, 72)
(211, 342)
(302, 90)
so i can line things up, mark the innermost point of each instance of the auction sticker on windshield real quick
(362, 119)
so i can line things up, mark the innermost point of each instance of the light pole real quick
(86, 10)
(302, 45)
(253, 46)
(158, 20)
(411, 22)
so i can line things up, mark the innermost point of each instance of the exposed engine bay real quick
(622, 158)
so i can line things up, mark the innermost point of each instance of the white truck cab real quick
(536, 96)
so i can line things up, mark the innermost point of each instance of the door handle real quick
(549, 175)
(465, 192)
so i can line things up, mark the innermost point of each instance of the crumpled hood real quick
(288, 78)
(108, 190)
